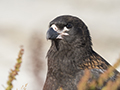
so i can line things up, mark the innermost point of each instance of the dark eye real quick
(69, 25)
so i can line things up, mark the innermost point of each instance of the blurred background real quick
(25, 22)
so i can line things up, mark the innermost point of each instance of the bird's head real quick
(69, 29)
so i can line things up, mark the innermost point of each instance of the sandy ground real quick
(20, 19)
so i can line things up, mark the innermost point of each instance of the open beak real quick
(54, 33)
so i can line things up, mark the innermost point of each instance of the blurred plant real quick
(14, 72)
(100, 83)
(60, 88)
(23, 87)
(36, 59)
(82, 84)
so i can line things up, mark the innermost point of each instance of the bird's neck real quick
(63, 50)
(65, 58)
(58, 45)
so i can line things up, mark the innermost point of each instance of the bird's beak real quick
(54, 33)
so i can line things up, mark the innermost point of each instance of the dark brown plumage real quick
(70, 54)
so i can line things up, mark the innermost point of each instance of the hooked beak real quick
(51, 34)
(54, 33)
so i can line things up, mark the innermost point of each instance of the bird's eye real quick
(69, 25)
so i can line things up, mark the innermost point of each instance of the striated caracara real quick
(70, 54)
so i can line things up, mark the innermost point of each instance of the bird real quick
(70, 54)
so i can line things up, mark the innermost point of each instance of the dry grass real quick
(23, 87)
(95, 84)
(15, 71)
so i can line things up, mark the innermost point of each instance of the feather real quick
(70, 56)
